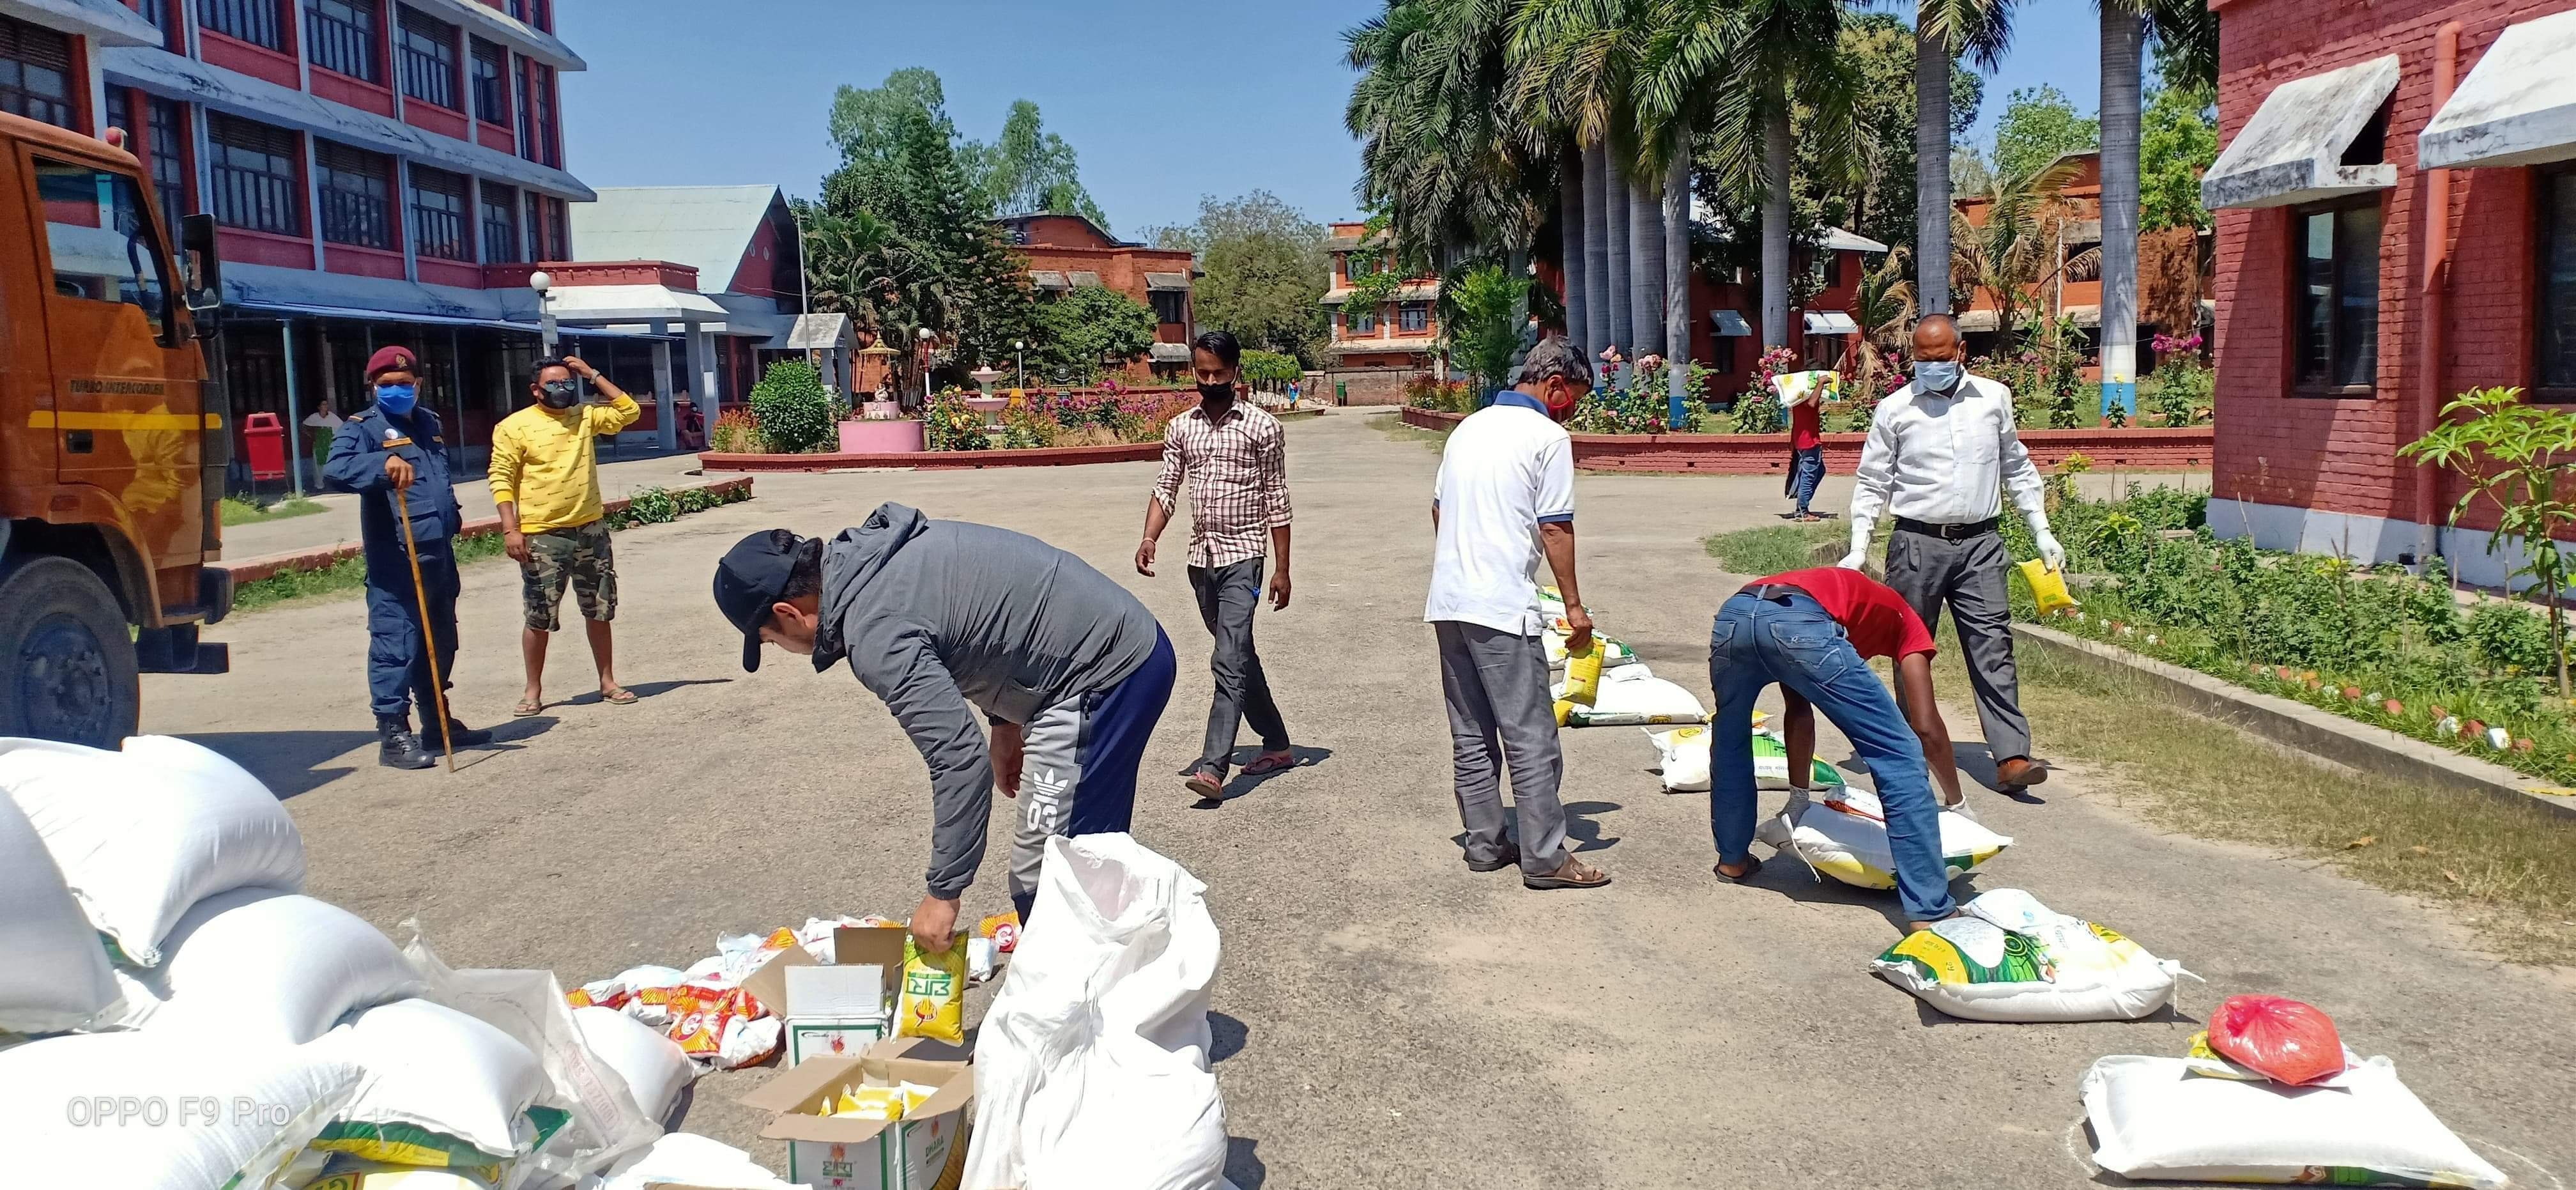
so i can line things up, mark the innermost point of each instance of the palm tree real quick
(2186, 32)
(1780, 55)
(1943, 28)
(2018, 251)
(1883, 305)
(1570, 63)
(1571, 244)
(1439, 149)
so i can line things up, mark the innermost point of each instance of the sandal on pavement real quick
(1206, 784)
(1271, 762)
(619, 697)
(1752, 868)
(525, 708)
(1570, 874)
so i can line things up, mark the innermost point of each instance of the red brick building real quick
(2169, 290)
(2383, 246)
(1068, 252)
(1376, 349)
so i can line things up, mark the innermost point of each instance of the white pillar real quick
(294, 416)
(669, 399)
(702, 367)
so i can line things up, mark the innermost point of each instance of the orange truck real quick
(112, 442)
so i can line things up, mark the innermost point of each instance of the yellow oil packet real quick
(2047, 586)
(934, 992)
(872, 1103)
(1583, 673)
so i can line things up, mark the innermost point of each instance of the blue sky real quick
(1165, 100)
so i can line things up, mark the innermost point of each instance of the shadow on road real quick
(1580, 827)
(1227, 1036)
(642, 691)
(292, 763)
(1243, 1167)
(1244, 783)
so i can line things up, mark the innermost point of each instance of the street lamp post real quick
(925, 336)
(1022, 347)
(543, 282)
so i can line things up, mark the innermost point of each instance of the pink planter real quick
(882, 410)
(880, 437)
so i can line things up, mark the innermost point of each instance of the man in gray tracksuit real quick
(943, 619)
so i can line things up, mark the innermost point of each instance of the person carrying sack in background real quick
(394, 446)
(1941, 454)
(1235, 456)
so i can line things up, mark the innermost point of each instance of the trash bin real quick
(264, 446)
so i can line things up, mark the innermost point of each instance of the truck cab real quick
(112, 446)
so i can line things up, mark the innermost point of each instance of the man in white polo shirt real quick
(1506, 495)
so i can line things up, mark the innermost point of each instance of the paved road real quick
(1386, 1018)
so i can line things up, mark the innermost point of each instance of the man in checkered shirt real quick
(1236, 457)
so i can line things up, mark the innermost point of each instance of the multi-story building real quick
(377, 167)
(1377, 348)
(2396, 203)
(2172, 272)
(1068, 252)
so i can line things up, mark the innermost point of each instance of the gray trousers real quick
(1496, 686)
(1228, 596)
(1968, 574)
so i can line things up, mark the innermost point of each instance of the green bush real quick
(1271, 367)
(949, 424)
(795, 411)
(1758, 411)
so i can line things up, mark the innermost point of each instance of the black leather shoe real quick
(400, 749)
(458, 734)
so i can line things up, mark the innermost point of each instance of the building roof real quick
(1049, 279)
(1019, 225)
(2518, 105)
(2292, 150)
(163, 73)
(107, 22)
(708, 228)
(495, 25)
(1168, 281)
(1838, 240)
(1171, 353)
(1085, 279)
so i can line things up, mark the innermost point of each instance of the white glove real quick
(1854, 560)
(2049, 551)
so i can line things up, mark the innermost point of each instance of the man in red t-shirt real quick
(1803, 394)
(1813, 632)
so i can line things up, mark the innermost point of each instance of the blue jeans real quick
(1793, 642)
(1809, 474)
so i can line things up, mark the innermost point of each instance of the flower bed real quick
(1768, 454)
(1107, 416)
(2377, 645)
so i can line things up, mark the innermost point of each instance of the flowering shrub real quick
(950, 424)
(1779, 361)
(737, 432)
(1450, 396)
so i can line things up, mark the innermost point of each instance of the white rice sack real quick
(259, 965)
(54, 974)
(655, 1068)
(2153, 1118)
(2010, 958)
(1685, 765)
(442, 1088)
(686, 1159)
(142, 1112)
(1844, 835)
(144, 834)
(1631, 696)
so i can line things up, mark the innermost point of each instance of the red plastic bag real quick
(2277, 1037)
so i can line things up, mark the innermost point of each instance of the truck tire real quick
(67, 668)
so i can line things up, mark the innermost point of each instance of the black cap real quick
(752, 576)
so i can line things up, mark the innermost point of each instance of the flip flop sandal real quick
(1205, 784)
(1750, 872)
(526, 708)
(1599, 879)
(623, 697)
(1269, 764)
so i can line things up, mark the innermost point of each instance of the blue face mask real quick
(1937, 375)
(397, 399)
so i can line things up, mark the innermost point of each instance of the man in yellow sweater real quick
(545, 478)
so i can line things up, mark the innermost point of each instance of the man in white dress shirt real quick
(1941, 453)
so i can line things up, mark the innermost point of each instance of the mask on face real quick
(559, 394)
(397, 399)
(1937, 375)
(1216, 392)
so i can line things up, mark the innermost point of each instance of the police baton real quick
(420, 592)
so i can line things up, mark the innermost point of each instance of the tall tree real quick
(864, 119)
(1439, 149)
(1943, 29)
(1266, 267)
(1784, 56)
(1029, 170)
(2039, 125)
(2017, 253)
(1879, 204)
(2188, 33)
(2177, 141)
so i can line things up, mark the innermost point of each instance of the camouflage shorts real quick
(578, 556)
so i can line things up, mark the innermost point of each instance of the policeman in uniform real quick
(394, 445)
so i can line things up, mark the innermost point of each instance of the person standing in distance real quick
(1942, 452)
(545, 483)
(957, 626)
(394, 446)
(1505, 497)
(1235, 456)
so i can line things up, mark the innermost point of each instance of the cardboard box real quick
(837, 1009)
(926, 1150)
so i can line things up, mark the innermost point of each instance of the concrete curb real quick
(2144, 448)
(938, 460)
(251, 570)
(2298, 725)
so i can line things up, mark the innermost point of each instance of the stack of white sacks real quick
(176, 1015)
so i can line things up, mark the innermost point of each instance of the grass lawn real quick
(1393, 426)
(2509, 869)
(238, 511)
(342, 578)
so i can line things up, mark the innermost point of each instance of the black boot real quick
(458, 734)
(400, 749)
